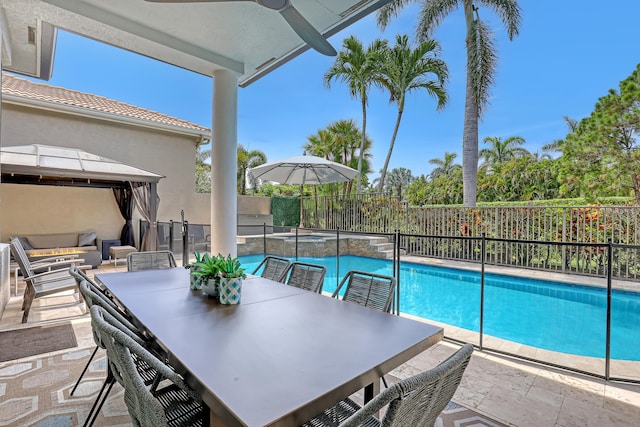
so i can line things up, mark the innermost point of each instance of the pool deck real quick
(508, 390)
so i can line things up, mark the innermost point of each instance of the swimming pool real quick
(555, 316)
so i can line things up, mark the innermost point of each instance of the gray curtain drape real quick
(124, 198)
(142, 198)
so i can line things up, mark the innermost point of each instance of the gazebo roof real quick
(45, 164)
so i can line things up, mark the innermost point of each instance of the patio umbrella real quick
(304, 170)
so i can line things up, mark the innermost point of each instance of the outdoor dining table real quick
(276, 359)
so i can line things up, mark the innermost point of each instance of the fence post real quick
(607, 361)
(171, 235)
(396, 267)
(564, 238)
(482, 258)
(296, 243)
(337, 256)
(185, 242)
(264, 238)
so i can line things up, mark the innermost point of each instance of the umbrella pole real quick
(301, 193)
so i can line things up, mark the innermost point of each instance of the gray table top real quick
(279, 357)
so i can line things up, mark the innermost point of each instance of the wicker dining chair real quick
(367, 289)
(94, 297)
(416, 401)
(274, 268)
(305, 276)
(150, 260)
(173, 404)
(94, 294)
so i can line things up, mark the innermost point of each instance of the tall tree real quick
(603, 151)
(403, 71)
(203, 171)
(397, 179)
(481, 63)
(445, 166)
(500, 151)
(246, 160)
(339, 142)
(357, 67)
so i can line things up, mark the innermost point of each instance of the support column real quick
(224, 164)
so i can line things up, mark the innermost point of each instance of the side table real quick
(116, 252)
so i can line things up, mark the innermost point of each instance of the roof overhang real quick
(240, 36)
(48, 165)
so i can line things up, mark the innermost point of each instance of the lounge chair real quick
(45, 279)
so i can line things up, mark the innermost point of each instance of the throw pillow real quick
(87, 239)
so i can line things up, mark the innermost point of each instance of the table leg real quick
(371, 391)
(215, 420)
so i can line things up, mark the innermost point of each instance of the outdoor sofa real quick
(85, 245)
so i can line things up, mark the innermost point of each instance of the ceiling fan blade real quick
(194, 1)
(306, 31)
(300, 25)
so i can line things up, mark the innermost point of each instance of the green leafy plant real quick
(231, 267)
(208, 267)
(198, 257)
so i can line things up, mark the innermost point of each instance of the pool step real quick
(385, 248)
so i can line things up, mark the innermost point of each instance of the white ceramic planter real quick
(211, 287)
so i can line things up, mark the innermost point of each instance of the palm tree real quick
(444, 167)
(502, 151)
(246, 160)
(397, 179)
(357, 67)
(481, 64)
(339, 142)
(321, 144)
(556, 145)
(403, 71)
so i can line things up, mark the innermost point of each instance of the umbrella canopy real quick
(304, 170)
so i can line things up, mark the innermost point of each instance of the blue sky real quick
(569, 53)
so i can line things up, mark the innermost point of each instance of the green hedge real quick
(286, 211)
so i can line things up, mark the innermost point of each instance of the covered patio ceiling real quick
(244, 37)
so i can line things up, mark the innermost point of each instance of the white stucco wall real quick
(46, 209)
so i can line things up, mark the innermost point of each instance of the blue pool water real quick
(550, 315)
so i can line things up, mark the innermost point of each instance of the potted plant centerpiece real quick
(231, 273)
(195, 280)
(208, 269)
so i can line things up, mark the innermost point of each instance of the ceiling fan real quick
(300, 25)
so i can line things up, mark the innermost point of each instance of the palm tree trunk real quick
(393, 141)
(470, 131)
(364, 137)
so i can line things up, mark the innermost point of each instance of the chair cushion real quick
(87, 239)
(46, 241)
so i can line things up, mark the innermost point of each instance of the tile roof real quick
(12, 85)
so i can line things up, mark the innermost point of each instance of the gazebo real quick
(48, 165)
